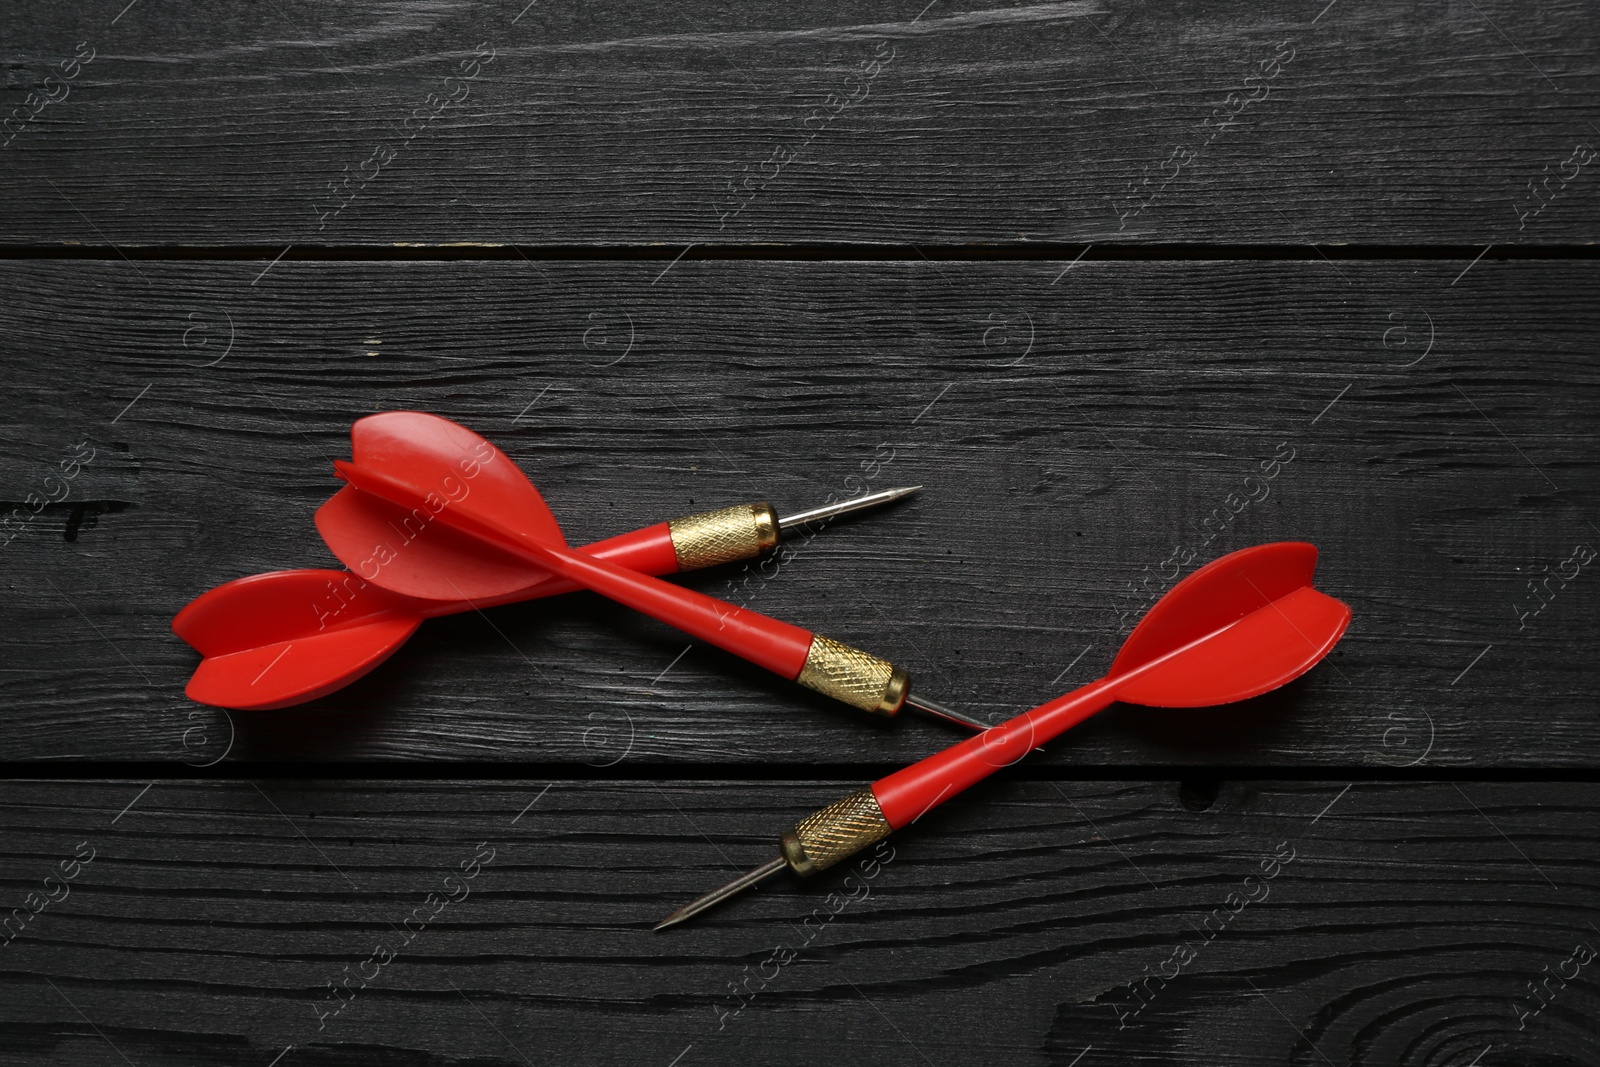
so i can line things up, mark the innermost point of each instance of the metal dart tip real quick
(845, 507)
(939, 711)
(717, 896)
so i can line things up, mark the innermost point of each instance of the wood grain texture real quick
(1403, 927)
(1402, 121)
(1073, 429)
(603, 237)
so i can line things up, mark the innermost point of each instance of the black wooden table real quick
(1079, 268)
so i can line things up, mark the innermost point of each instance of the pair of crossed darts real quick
(435, 520)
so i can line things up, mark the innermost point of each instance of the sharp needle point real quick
(829, 511)
(717, 896)
(939, 711)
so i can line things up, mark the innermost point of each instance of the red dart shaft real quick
(911, 791)
(847, 674)
(648, 551)
(778, 646)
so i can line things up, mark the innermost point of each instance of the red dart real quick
(1236, 628)
(273, 640)
(438, 512)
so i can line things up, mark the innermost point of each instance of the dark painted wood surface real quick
(1023, 924)
(1454, 122)
(1430, 426)
(1083, 269)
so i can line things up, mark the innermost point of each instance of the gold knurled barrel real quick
(839, 830)
(724, 535)
(854, 677)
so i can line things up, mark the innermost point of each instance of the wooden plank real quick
(1405, 121)
(1081, 436)
(1374, 923)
